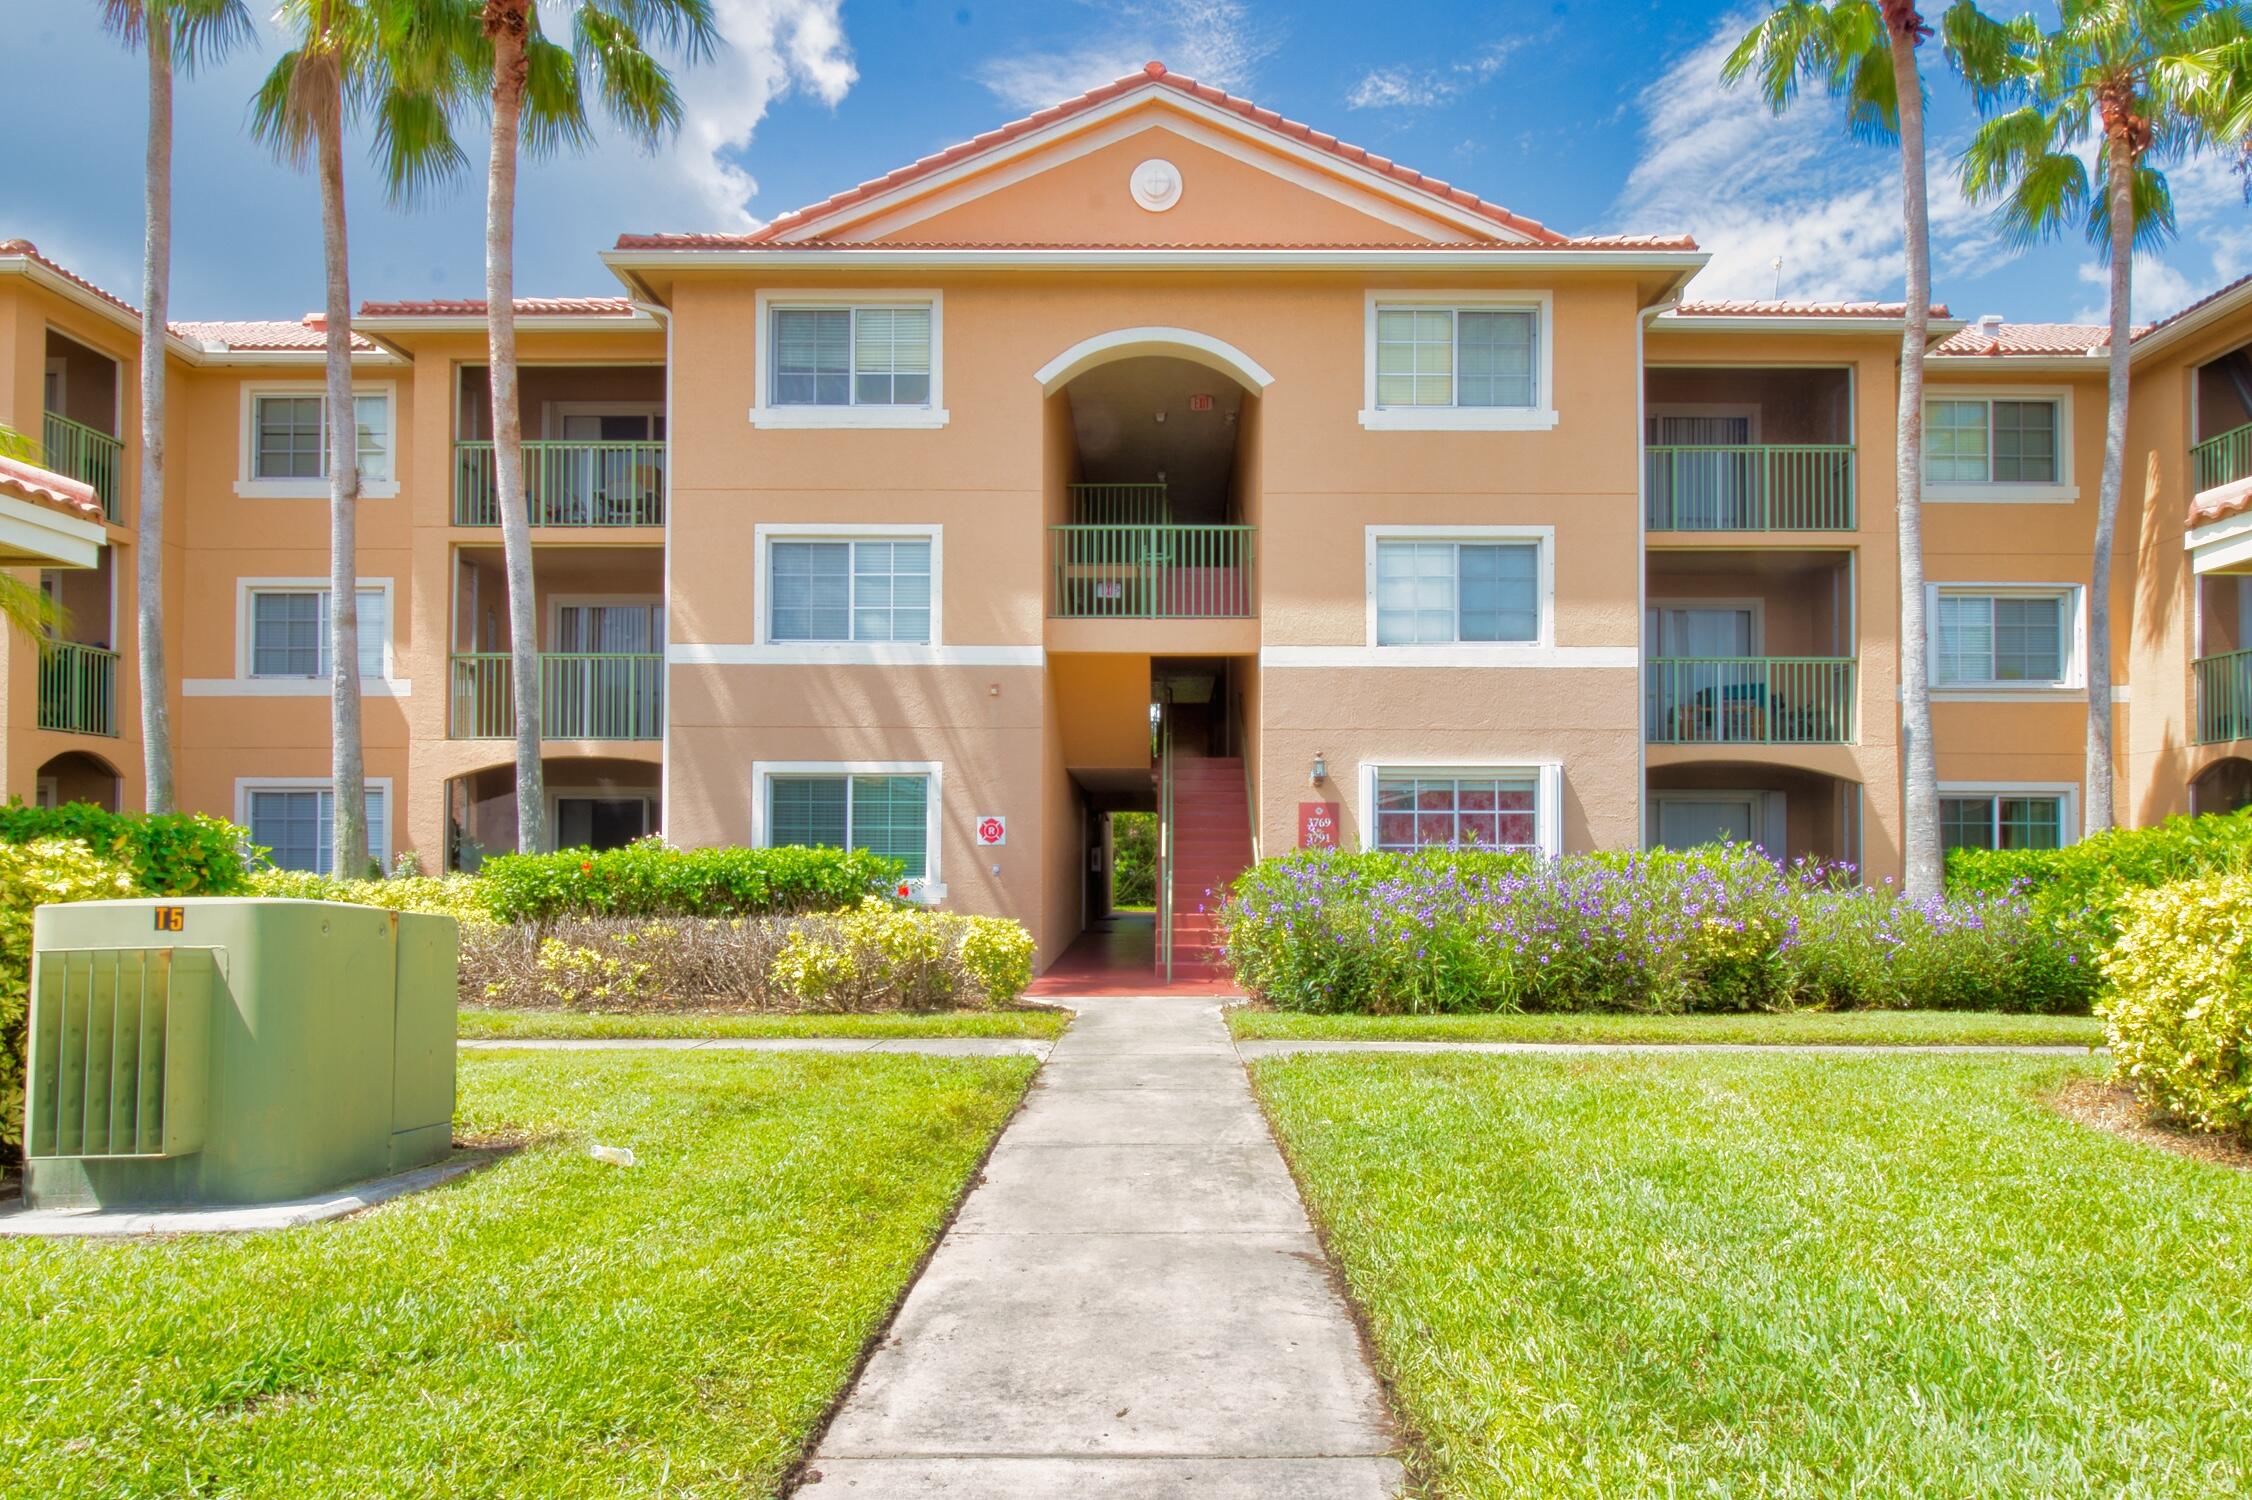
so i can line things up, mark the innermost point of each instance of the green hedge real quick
(173, 854)
(653, 879)
(2083, 887)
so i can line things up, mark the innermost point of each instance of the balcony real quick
(1749, 486)
(1750, 700)
(77, 688)
(2223, 459)
(88, 455)
(1150, 572)
(584, 695)
(566, 483)
(2224, 697)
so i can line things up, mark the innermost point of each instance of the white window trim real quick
(1755, 606)
(249, 487)
(245, 785)
(1544, 573)
(1539, 417)
(2067, 794)
(763, 772)
(2005, 492)
(766, 533)
(244, 685)
(1769, 810)
(765, 414)
(1548, 793)
(557, 795)
(2075, 683)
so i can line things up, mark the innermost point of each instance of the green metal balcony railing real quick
(1750, 700)
(584, 695)
(88, 455)
(1150, 572)
(2223, 458)
(2224, 697)
(1750, 486)
(77, 688)
(566, 484)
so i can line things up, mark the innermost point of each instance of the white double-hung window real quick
(1486, 586)
(2004, 819)
(1997, 446)
(873, 589)
(889, 808)
(295, 823)
(872, 362)
(2004, 637)
(285, 444)
(289, 631)
(1436, 361)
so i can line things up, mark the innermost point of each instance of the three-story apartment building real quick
(1151, 453)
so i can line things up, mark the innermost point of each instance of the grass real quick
(1924, 1027)
(480, 1024)
(1744, 1275)
(548, 1327)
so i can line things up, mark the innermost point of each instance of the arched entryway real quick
(2222, 787)
(592, 802)
(79, 776)
(1791, 813)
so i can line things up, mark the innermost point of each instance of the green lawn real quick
(479, 1024)
(1926, 1027)
(1740, 1275)
(548, 1327)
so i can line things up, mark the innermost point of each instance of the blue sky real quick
(1586, 114)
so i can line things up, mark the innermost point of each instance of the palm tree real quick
(1863, 53)
(174, 34)
(538, 99)
(351, 54)
(2144, 82)
(25, 607)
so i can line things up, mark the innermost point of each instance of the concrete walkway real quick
(928, 1046)
(1130, 1304)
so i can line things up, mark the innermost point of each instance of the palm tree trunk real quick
(506, 23)
(148, 536)
(1920, 765)
(348, 766)
(2119, 158)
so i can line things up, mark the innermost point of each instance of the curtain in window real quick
(1414, 356)
(813, 356)
(1491, 812)
(1496, 354)
(289, 632)
(812, 591)
(298, 826)
(891, 356)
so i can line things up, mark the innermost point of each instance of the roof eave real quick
(1935, 328)
(382, 325)
(2166, 334)
(41, 276)
(1545, 257)
(2023, 364)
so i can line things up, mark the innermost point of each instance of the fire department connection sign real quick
(992, 832)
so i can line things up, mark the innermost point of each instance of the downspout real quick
(1642, 561)
(664, 664)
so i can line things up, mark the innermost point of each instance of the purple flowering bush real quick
(1720, 929)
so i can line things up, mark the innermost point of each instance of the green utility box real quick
(233, 1050)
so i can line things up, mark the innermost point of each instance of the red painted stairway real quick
(1211, 847)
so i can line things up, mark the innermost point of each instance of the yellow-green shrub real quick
(2180, 1009)
(43, 872)
(456, 896)
(882, 955)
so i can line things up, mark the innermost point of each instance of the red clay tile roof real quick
(1766, 308)
(527, 307)
(2029, 339)
(752, 242)
(1152, 74)
(29, 251)
(2220, 503)
(44, 487)
(2198, 306)
(260, 336)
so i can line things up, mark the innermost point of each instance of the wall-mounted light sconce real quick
(1321, 770)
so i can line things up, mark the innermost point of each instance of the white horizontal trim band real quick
(853, 654)
(290, 687)
(1610, 658)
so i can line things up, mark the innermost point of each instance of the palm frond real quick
(14, 444)
(554, 99)
(414, 148)
(2047, 192)
(279, 114)
(26, 609)
(636, 90)
(1989, 55)
(2153, 207)
(683, 26)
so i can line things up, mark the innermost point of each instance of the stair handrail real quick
(1165, 838)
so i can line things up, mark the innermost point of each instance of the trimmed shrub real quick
(168, 854)
(2179, 1014)
(1722, 929)
(879, 956)
(458, 896)
(2083, 887)
(650, 878)
(35, 873)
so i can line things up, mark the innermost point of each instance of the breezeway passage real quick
(1131, 1303)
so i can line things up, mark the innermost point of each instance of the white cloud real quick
(1211, 41)
(2158, 291)
(1402, 87)
(770, 47)
(1756, 188)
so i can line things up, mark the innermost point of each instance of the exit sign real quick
(1200, 403)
